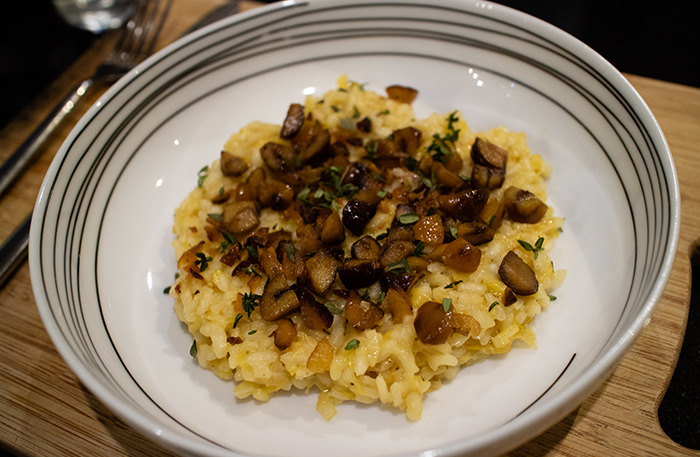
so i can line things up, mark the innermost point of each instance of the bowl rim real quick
(542, 418)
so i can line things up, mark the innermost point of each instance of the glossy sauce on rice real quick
(266, 278)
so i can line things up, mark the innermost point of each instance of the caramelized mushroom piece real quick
(314, 314)
(232, 165)
(488, 154)
(523, 205)
(445, 177)
(293, 122)
(362, 314)
(464, 324)
(508, 297)
(308, 239)
(278, 299)
(399, 280)
(489, 164)
(240, 217)
(312, 142)
(453, 162)
(276, 194)
(358, 273)
(461, 255)
(332, 230)
(475, 232)
(321, 357)
(432, 323)
(284, 334)
(398, 303)
(518, 275)
(408, 139)
(357, 214)
(292, 261)
(429, 229)
(493, 213)
(322, 269)
(401, 94)
(394, 251)
(278, 157)
(366, 248)
(464, 204)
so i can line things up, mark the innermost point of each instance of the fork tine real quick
(139, 35)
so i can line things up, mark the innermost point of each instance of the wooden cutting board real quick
(46, 411)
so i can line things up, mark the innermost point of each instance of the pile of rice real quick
(387, 363)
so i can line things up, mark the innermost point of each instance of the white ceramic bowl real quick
(100, 251)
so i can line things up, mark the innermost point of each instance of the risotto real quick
(361, 253)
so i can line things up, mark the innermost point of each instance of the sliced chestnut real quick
(284, 334)
(523, 206)
(278, 299)
(398, 303)
(232, 165)
(278, 157)
(276, 194)
(293, 122)
(487, 178)
(461, 255)
(394, 251)
(488, 154)
(401, 94)
(493, 213)
(240, 217)
(357, 214)
(361, 314)
(464, 324)
(313, 313)
(464, 204)
(508, 297)
(322, 268)
(429, 229)
(408, 139)
(366, 248)
(357, 273)
(399, 280)
(332, 231)
(432, 323)
(518, 275)
(475, 232)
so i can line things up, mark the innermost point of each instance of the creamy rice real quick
(387, 363)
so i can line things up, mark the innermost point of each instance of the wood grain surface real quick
(46, 411)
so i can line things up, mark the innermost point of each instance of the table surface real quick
(46, 411)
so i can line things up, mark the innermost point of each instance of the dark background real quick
(659, 40)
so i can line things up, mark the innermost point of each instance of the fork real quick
(135, 42)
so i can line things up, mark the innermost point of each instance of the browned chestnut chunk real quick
(293, 122)
(232, 165)
(518, 275)
(432, 323)
(357, 214)
(240, 217)
(314, 314)
(464, 204)
(366, 248)
(284, 334)
(278, 300)
(322, 269)
(278, 157)
(523, 205)
(357, 273)
(401, 94)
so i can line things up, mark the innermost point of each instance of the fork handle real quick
(27, 151)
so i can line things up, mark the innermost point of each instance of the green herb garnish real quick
(332, 308)
(398, 267)
(202, 261)
(409, 218)
(193, 349)
(493, 305)
(446, 304)
(250, 302)
(166, 291)
(202, 175)
(236, 319)
(352, 344)
(536, 249)
(453, 284)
